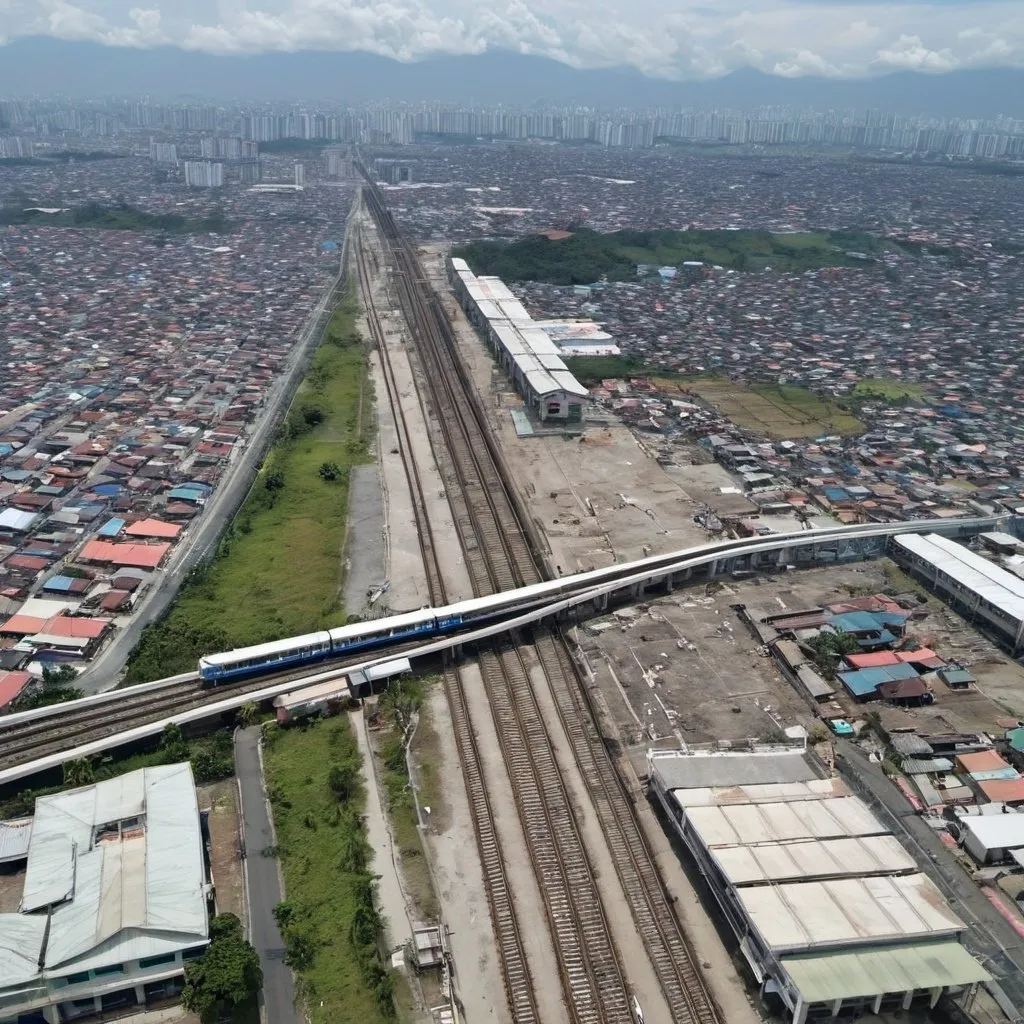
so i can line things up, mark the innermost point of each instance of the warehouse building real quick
(832, 915)
(982, 591)
(522, 348)
(114, 902)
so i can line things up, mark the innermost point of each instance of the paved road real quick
(990, 937)
(203, 535)
(263, 886)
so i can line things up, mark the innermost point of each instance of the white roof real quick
(848, 912)
(805, 860)
(384, 625)
(996, 831)
(997, 586)
(121, 863)
(760, 793)
(21, 943)
(747, 824)
(265, 650)
(15, 519)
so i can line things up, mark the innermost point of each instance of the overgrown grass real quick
(888, 388)
(316, 793)
(278, 570)
(398, 705)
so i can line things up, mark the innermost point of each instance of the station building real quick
(832, 915)
(522, 348)
(115, 898)
(985, 593)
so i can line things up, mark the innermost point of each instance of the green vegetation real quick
(223, 984)
(888, 388)
(829, 649)
(587, 256)
(120, 218)
(212, 757)
(777, 410)
(329, 919)
(55, 688)
(591, 370)
(399, 706)
(277, 571)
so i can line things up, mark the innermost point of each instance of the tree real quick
(248, 714)
(226, 977)
(59, 675)
(79, 772)
(829, 647)
(343, 778)
(330, 471)
(274, 481)
(173, 744)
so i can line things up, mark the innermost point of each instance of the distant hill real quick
(47, 66)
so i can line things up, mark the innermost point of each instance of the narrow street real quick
(263, 882)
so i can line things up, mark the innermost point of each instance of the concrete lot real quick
(684, 668)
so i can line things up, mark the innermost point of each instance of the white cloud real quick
(666, 38)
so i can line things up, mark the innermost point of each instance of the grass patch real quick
(122, 218)
(888, 388)
(398, 706)
(278, 570)
(586, 255)
(779, 411)
(331, 936)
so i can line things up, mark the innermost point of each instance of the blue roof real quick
(59, 583)
(856, 622)
(107, 490)
(866, 680)
(835, 493)
(111, 528)
(15, 475)
(186, 493)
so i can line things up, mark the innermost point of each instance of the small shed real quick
(990, 838)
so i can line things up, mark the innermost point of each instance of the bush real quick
(227, 977)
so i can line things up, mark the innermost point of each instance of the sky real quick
(671, 39)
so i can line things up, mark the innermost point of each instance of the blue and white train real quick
(431, 622)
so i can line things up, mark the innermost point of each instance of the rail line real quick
(498, 551)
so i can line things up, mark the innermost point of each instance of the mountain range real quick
(45, 66)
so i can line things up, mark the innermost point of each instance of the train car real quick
(361, 635)
(296, 650)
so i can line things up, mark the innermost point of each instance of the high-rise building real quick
(163, 152)
(300, 175)
(203, 174)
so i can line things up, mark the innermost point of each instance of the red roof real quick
(874, 660)
(71, 625)
(982, 761)
(11, 684)
(153, 528)
(1008, 791)
(924, 654)
(26, 625)
(142, 556)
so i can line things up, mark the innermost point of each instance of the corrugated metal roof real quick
(14, 837)
(21, 942)
(825, 977)
(693, 771)
(742, 824)
(137, 891)
(997, 586)
(802, 861)
(848, 912)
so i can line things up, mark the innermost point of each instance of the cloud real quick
(664, 38)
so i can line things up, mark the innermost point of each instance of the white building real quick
(994, 838)
(115, 899)
(832, 915)
(204, 174)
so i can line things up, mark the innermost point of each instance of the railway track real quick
(499, 555)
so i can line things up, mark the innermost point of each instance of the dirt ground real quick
(12, 885)
(221, 799)
(683, 668)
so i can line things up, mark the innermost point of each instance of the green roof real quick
(1015, 737)
(824, 977)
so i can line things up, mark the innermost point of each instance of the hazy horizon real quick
(44, 66)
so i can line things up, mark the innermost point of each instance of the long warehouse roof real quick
(1000, 588)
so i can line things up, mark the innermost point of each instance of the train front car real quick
(215, 669)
